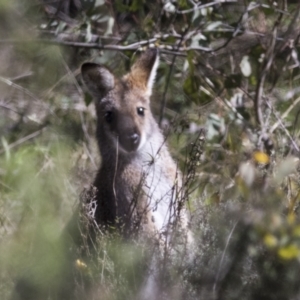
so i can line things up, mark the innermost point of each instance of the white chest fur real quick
(160, 186)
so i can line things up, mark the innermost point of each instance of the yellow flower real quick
(289, 252)
(270, 240)
(261, 157)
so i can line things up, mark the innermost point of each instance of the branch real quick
(223, 257)
(284, 115)
(260, 85)
(132, 47)
(18, 87)
(199, 6)
(10, 108)
(163, 104)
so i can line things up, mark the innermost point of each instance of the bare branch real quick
(285, 114)
(18, 87)
(259, 88)
(199, 6)
(132, 47)
(223, 257)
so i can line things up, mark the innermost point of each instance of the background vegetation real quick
(227, 95)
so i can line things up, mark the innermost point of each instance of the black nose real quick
(130, 142)
(135, 138)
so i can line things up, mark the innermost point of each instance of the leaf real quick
(213, 25)
(170, 8)
(6, 147)
(136, 5)
(196, 14)
(196, 38)
(215, 126)
(87, 99)
(206, 11)
(110, 25)
(247, 173)
(245, 66)
(89, 35)
(285, 168)
(191, 87)
(182, 4)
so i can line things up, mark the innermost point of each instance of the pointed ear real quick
(97, 78)
(143, 72)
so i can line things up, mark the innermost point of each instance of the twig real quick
(284, 115)
(236, 29)
(283, 127)
(223, 257)
(270, 55)
(18, 87)
(197, 7)
(11, 109)
(163, 103)
(259, 88)
(28, 74)
(70, 36)
(131, 47)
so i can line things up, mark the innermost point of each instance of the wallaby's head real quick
(123, 105)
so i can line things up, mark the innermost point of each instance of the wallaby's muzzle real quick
(130, 142)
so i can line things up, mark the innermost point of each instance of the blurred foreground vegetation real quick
(231, 69)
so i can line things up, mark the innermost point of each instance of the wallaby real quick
(138, 184)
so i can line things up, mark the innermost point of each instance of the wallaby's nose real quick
(130, 142)
(135, 138)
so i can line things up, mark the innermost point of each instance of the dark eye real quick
(141, 111)
(108, 116)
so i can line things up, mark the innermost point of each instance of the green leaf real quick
(87, 99)
(191, 87)
(6, 148)
(182, 4)
(215, 125)
(136, 5)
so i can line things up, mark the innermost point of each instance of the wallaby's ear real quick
(97, 78)
(143, 71)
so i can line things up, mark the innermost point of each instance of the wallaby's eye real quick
(141, 111)
(108, 116)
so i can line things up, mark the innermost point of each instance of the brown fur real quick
(137, 183)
